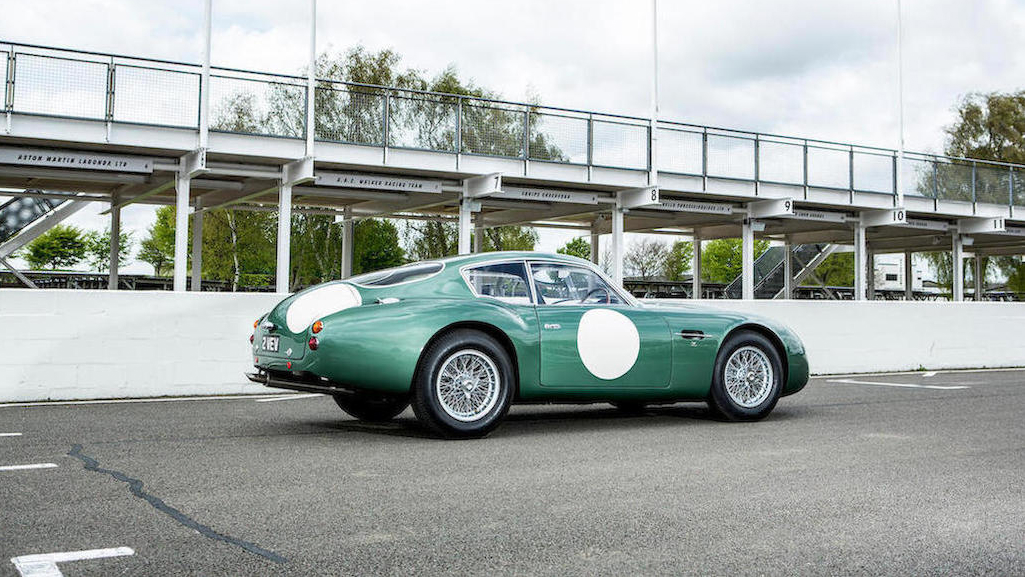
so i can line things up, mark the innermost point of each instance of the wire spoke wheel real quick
(468, 385)
(748, 377)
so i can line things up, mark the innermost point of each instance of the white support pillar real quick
(478, 232)
(115, 241)
(595, 246)
(197, 247)
(788, 269)
(870, 275)
(347, 235)
(695, 268)
(311, 82)
(860, 262)
(747, 260)
(284, 237)
(465, 224)
(617, 245)
(957, 271)
(980, 278)
(181, 230)
(909, 276)
(204, 79)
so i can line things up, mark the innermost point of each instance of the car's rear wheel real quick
(372, 409)
(464, 384)
(747, 379)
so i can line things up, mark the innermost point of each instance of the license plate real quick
(269, 343)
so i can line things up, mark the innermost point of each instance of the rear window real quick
(394, 276)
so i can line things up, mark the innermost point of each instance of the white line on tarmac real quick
(929, 374)
(10, 434)
(119, 401)
(25, 467)
(901, 385)
(45, 565)
(947, 371)
(288, 398)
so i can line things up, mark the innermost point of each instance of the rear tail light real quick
(252, 338)
(313, 343)
(256, 323)
(317, 327)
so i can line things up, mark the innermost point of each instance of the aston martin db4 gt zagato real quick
(463, 338)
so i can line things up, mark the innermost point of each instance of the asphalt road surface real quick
(885, 474)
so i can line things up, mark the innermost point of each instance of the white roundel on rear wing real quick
(319, 303)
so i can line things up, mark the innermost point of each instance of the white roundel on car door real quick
(318, 303)
(608, 343)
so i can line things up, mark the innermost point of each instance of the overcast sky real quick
(812, 68)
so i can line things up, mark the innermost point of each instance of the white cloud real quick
(802, 67)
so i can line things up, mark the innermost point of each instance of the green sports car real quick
(463, 338)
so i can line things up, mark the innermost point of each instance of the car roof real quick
(511, 254)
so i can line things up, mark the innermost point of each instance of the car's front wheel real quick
(464, 384)
(747, 379)
(372, 409)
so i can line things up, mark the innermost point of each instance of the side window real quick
(506, 282)
(560, 284)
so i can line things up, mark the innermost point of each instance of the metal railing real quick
(40, 80)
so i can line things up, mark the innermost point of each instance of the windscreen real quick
(393, 276)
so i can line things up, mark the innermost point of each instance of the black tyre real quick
(372, 409)
(464, 385)
(747, 379)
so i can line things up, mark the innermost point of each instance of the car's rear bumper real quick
(301, 382)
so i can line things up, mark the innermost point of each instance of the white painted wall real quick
(63, 344)
(78, 344)
(869, 336)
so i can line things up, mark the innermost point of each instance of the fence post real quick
(9, 88)
(894, 168)
(804, 162)
(975, 198)
(108, 114)
(459, 128)
(758, 156)
(590, 144)
(526, 134)
(385, 119)
(850, 171)
(1010, 186)
(935, 178)
(704, 158)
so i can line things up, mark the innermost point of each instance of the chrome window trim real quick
(463, 270)
(627, 299)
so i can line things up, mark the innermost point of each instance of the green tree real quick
(678, 261)
(58, 248)
(646, 258)
(239, 247)
(836, 269)
(429, 239)
(721, 258)
(576, 247)
(509, 238)
(375, 246)
(98, 249)
(158, 248)
(989, 127)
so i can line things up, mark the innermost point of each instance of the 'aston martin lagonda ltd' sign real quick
(79, 160)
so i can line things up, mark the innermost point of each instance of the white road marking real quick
(901, 385)
(946, 371)
(119, 401)
(10, 434)
(45, 565)
(24, 467)
(288, 398)
(929, 374)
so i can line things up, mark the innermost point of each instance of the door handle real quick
(693, 335)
